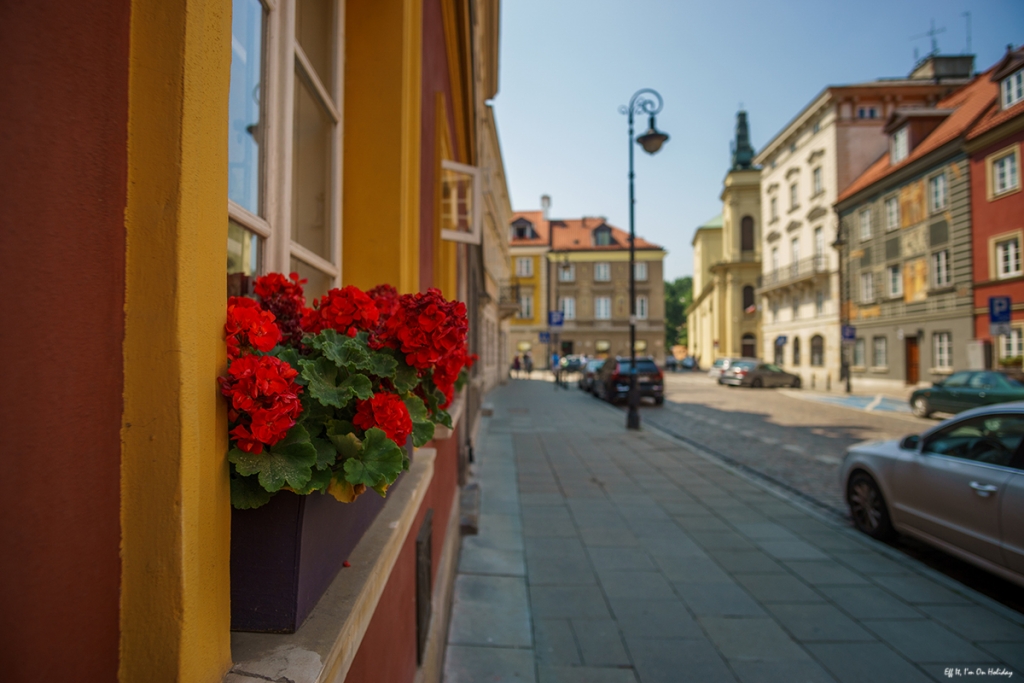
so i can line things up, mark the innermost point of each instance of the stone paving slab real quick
(606, 556)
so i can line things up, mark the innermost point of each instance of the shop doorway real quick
(913, 360)
(749, 349)
(567, 348)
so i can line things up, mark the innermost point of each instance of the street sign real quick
(849, 333)
(555, 318)
(999, 315)
(545, 337)
(779, 341)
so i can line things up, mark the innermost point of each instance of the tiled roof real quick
(968, 105)
(996, 115)
(575, 234)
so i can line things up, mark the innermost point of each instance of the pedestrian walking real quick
(516, 366)
(528, 365)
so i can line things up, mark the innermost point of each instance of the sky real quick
(567, 65)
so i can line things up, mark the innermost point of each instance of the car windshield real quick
(641, 366)
(594, 364)
(744, 365)
(719, 363)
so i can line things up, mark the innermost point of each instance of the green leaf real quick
(289, 461)
(247, 494)
(406, 377)
(320, 480)
(322, 376)
(380, 364)
(315, 415)
(380, 461)
(422, 427)
(345, 442)
(345, 352)
(326, 454)
(443, 417)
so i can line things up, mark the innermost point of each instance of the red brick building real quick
(997, 205)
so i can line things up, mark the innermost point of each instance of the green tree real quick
(678, 297)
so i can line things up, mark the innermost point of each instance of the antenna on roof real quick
(968, 16)
(931, 34)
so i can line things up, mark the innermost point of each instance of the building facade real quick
(583, 271)
(994, 145)
(214, 140)
(907, 223)
(724, 318)
(804, 168)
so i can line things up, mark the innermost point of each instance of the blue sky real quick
(567, 65)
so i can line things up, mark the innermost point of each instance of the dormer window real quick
(522, 229)
(602, 236)
(899, 146)
(1012, 89)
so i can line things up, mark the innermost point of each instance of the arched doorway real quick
(817, 350)
(749, 346)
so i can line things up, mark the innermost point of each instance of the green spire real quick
(742, 152)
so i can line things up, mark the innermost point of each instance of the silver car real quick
(722, 364)
(959, 486)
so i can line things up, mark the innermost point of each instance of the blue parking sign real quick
(555, 318)
(999, 309)
(545, 336)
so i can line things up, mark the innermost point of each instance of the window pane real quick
(244, 130)
(456, 200)
(992, 439)
(311, 170)
(245, 258)
(319, 281)
(314, 21)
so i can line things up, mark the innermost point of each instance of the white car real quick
(722, 364)
(959, 486)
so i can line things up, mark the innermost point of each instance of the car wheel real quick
(796, 383)
(867, 507)
(920, 407)
(659, 400)
(757, 383)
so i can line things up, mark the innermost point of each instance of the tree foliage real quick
(678, 297)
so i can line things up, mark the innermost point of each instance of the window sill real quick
(944, 289)
(859, 368)
(456, 410)
(880, 368)
(1004, 193)
(941, 371)
(326, 644)
(794, 208)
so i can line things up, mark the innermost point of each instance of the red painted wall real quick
(388, 650)
(63, 117)
(990, 218)
(435, 80)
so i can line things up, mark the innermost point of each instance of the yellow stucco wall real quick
(533, 281)
(175, 514)
(381, 200)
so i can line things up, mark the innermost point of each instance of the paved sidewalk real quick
(611, 557)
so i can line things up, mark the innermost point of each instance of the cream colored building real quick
(805, 166)
(723, 319)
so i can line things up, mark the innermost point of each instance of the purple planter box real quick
(285, 554)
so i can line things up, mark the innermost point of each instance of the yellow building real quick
(724, 320)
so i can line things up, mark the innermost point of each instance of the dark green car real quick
(964, 390)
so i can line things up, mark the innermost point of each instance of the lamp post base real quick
(633, 414)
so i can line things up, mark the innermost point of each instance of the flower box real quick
(286, 553)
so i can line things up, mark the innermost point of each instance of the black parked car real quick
(964, 390)
(612, 381)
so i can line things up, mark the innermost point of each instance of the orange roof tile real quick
(575, 234)
(968, 105)
(996, 115)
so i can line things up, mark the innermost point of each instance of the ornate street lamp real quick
(645, 101)
(844, 309)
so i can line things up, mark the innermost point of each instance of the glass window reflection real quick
(245, 254)
(245, 132)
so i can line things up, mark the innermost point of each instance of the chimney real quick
(938, 67)
(545, 205)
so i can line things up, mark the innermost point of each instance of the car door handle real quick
(981, 395)
(984, 490)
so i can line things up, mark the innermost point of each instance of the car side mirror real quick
(910, 443)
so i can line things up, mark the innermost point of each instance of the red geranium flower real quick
(341, 309)
(249, 327)
(386, 411)
(264, 400)
(285, 299)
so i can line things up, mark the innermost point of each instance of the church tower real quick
(742, 152)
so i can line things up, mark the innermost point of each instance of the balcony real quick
(803, 270)
(508, 300)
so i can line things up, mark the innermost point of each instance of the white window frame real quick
(819, 302)
(602, 271)
(892, 213)
(942, 348)
(602, 308)
(817, 185)
(894, 280)
(473, 236)
(526, 306)
(794, 196)
(940, 269)
(773, 203)
(1011, 89)
(642, 309)
(865, 224)
(567, 305)
(1009, 165)
(567, 272)
(867, 287)
(899, 146)
(938, 195)
(640, 271)
(1008, 250)
(1012, 345)
(860, 352)
(520, 270)
(880, 352)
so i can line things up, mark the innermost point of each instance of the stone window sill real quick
(325, 645)
(941, 371)
(879, 368)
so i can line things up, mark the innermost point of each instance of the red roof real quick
(969, 104)
(574, 234)
(996, 115)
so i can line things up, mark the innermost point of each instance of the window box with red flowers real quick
(323, 403)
